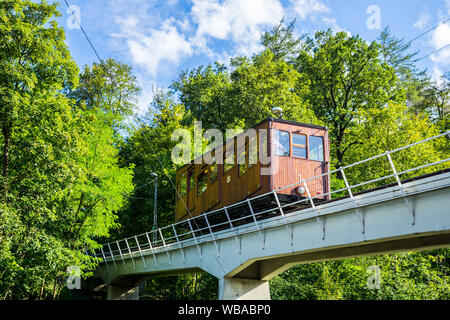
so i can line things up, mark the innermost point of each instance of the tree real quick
(281, 41)
(61, 183)
(262, 83)
(403, 276)
(388, 128)
(36, 145)
(437, 97)
(245, 94)
(33, 58)
(204, 94)
(347, 77)
(148, 149)
(394, 52)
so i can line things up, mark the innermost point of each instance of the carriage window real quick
(228, 156)
(299, 145)
(214, 172)
(282, 143)
(242, 161)
(316, 148)
(182, 185)
(202, 182)
(252, 152)
(191, 180)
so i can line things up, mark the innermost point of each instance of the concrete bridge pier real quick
(122, 293)
(243, 289)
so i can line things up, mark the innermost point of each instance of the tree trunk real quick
(5, 159)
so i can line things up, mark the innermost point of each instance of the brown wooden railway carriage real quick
(300, 149)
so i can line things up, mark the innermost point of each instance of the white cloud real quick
(332, 23)
(239, 21)
(307, 8)
(440, 38)
(423, 20)
(437, 74)
(318, 13)
(156, 47)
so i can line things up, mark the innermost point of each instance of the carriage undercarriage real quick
(240, 214)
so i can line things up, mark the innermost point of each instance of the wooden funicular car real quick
(294, 149)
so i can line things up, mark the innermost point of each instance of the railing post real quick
(232, 228)
(212, 235)
(131, 255)
(140, 251)
(112, 256)
(104, 258)
(164, 244)
(322, 225)
(151, 248)
(257, 225)
(355, 205)
(178, 241)
(402, 190)
(121, 255)
(291, 232)
(195, 238)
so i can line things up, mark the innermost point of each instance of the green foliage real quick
(148, 148)
(61, 182)
(245, 94)
(110, 88)
(347, 77)
(281, 41)
(403, 276)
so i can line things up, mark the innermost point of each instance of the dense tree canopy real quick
(347, 78)
(61, 182)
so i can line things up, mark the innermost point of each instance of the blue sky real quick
(161, 38)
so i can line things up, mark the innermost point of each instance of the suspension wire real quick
(102, 64)
(421, 35)
(85, 34)
(430, 54)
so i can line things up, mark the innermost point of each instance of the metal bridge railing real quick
(383, 171)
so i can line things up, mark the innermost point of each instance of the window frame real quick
(225, 158)
(191, 173)
(213, 165)
(249, 166)
(203, 173)
(185, 175)
(274, 140)
(305, 146)
(245, 164)
(323, 148)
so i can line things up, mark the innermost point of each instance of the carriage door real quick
(213, 192)
(253, 165)
(229, 178)
(316, 153)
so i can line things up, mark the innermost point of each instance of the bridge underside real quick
(245, 259)
(266, 269)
